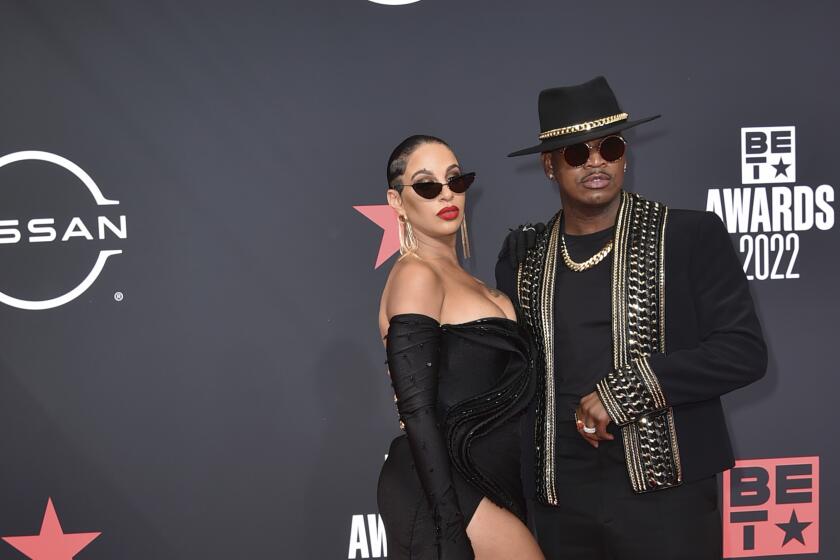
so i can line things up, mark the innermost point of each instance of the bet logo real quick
(768, 155)
(771, 507)
(769, 210)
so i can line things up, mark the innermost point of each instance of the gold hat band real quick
(583, 127)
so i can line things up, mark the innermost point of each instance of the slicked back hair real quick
(399, 157)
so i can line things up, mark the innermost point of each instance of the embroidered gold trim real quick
(631, 391)
(535, 278)
(584, 126)
(662, 282)
(632, 394)
(547, 305)
(638, 328)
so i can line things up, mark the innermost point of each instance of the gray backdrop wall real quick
(217, 389)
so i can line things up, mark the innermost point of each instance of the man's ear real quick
(548, 164)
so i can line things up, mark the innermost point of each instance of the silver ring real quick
(528, 227)
(589, 430)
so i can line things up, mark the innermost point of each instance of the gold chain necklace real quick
(588, 263)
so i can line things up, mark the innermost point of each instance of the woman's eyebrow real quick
(427, 172)
(419, 171)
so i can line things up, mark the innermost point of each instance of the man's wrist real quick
(631, 391)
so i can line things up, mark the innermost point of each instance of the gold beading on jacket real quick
(631, 392)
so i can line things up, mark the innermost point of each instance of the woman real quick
(459, 364)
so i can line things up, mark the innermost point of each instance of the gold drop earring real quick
(465, 240)
(408, 243)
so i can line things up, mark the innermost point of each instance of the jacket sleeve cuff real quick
(630, 392)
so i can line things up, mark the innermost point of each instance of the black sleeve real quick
(413, 347)
(506, 276)
(731, 352)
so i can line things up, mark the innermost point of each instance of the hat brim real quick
(552, 144)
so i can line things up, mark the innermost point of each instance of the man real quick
(641, 318)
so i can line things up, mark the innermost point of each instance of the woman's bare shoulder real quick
(413, 286)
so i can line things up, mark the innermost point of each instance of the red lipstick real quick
(449, 213)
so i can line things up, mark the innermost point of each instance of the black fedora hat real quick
(573, 114)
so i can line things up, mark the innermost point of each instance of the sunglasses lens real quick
(427, 189)
(576, 154)
(612, 148)
(461, 183)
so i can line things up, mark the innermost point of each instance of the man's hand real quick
(591, 413)
(519, 241)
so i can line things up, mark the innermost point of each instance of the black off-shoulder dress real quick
(461, 390)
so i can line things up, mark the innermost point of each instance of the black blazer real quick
(712, 335)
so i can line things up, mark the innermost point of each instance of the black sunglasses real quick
(611, 149)
(431, 189)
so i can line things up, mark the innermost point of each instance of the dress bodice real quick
(484, 384)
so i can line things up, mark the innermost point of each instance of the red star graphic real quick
(385, 217)
(52, 543)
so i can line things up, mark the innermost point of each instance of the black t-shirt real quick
(582, 322)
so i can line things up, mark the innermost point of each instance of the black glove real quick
(413, 347)
(519, 241)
